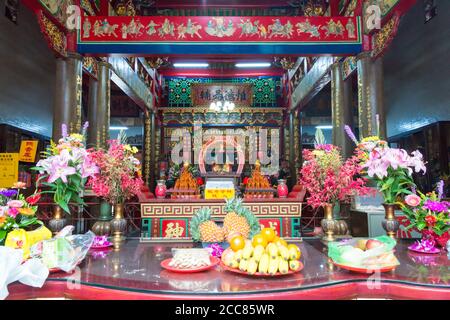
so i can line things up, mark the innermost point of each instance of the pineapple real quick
(204, 229)
(239, 219)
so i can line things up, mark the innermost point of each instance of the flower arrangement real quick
(427, 213)
(119, 177)
(16, 211)
(328, 178)
(66, 168)
(390, 168)
(366, 145)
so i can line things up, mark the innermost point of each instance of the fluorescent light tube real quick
(253, 65)
(190, 65)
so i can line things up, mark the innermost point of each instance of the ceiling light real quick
(253, 65)
(118, 128)
(191, 65)
(327, 127)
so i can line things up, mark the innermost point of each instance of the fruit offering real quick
(186, 185)
(371, 253)
(257, 181)
(204, 229)
(239, 219)
(189, 258)
(265, 254)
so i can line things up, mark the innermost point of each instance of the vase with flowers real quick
(118, 179)
(391, 170)
(64, 172)
(429, 215)
(329, 179)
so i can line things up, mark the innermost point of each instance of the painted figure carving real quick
(350, 28)
(86, 28)
(278, 29)
(307, 27)
(151, 28)
(334, 28)
(191, 29)
(248, 28)
(104, 28)
(133, 29)
(218, 27)
(167, 29)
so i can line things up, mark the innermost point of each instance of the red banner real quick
(158, 29)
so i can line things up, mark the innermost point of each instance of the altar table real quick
(132, 271)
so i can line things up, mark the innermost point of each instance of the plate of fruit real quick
(264, 255)
(364, 255)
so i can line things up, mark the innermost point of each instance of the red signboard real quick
(173, 228)
(220, 29)
(181, 34)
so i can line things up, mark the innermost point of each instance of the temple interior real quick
(223, 99)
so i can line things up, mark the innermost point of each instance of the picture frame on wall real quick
(430, 10)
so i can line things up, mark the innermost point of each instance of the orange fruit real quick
(275, 239)
(259, 240)
(237, 243)
(268, 234)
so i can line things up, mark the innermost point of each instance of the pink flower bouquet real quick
(119, 177)
(390, 168)
(328, 178)
(66, 168)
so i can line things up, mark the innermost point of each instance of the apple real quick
(361, 244)
(372, 243)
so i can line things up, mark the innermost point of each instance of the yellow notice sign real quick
(9, 169)
(28, 150)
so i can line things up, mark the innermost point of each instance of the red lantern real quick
(199, 181)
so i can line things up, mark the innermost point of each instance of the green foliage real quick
(396, 184)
